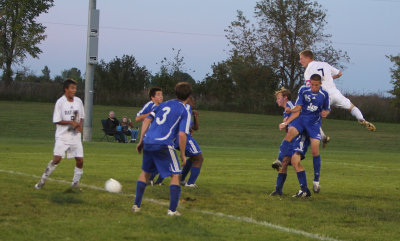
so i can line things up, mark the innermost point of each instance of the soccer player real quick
(193, 151)
(168, 121)
(156, 98)
(313, 102)
(328, 74)
(68, 116)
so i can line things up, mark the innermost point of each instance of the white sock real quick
(322, 133)
(357, 113)
(77, 176)
(49, 169)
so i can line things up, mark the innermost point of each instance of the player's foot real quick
(303, 194)
(39, 185)
(182, 183)
(191, 185)
(316, 187)
(176, 213)
(135, 208)
(325, 141)
(277, 165)
(367, 125)
(275, 193)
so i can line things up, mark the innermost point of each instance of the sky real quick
(149, 30)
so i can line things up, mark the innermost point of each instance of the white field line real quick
(216, 214)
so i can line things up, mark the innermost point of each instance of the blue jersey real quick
(147, 108)
(312, 103)
(168, 119)
(291, 106)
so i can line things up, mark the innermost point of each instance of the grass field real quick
(359, 199)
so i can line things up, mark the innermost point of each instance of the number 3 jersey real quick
(168, 119)
(324, 70)
(68, 111)
(312, 103)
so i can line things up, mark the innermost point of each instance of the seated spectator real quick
(114, 127)
(128, 129)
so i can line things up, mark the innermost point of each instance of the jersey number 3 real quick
(164, 117)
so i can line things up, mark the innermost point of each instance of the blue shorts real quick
(300, 145)
(310, 127)
(161, 158)
(192, 148)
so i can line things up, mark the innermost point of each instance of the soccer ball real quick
(113, 185)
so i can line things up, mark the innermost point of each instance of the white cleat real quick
(135, 208)
(367, 125)
(176, 213)
(39, 185)
(316, 187)
(191, 185)
(325, 141)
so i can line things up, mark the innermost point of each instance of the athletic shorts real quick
(192, 147)
(73, 149)
(338, 100)
(300, 145)
(311, 127)
(161, 158)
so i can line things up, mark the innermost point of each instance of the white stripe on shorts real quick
(193, 147)
(175, 164)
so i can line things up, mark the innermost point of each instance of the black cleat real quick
(277, 165)
(303, 194)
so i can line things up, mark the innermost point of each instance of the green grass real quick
(359, 199)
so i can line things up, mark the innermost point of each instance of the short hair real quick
(316, 77)
(152, 91)
(284, 92)
(307, 53)
(67, 83)
(183, 90)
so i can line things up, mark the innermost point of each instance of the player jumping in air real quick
(313, 102)
(168, 121)
(68, 116)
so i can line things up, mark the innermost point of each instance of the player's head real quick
(183, 90)
(111, 114)
(306, 56)
(156, 95)
(282, 96)
(69, 87)
(315, 82)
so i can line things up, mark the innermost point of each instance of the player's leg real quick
(301, 176)
(281, 178)
(286, 146)
(78, 171)
(185, 170)
(51, 166)
(195, 170)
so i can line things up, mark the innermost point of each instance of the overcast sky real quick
(367, 29)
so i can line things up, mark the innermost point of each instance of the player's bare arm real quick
(295, 109)
(284, 124)
(337, 76)
(141, 117)
(182, 146)
(145, 127)
(195, 120)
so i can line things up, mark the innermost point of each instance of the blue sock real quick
(285, 148)
(280, 180)
(186, 169)
(302, 180)
(317, 167)
(140, 187)
(159, 180)
(194, 173)
(174, 194)
(153, 175)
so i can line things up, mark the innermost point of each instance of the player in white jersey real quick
(328, 74)
(68, 116)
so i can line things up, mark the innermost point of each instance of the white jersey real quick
(67, 111)
(325, 71)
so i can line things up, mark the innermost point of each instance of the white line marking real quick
(216, 214)
(361, 165)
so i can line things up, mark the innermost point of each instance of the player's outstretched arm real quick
(337, 76)
(141, 118)
(284, 124)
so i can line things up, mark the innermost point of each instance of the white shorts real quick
(73, 149)
(338, 100)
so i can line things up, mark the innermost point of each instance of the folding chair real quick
(107, 133)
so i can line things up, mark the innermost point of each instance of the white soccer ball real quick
(113, 185)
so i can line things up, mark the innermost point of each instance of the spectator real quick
(114, 127)
(128, 129)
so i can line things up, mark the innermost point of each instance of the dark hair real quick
(67, 83)
(307, 53)
(152, 91)
(284, 92)
(316, 77)
(183, 90)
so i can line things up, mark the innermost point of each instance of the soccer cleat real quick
(191, 185)
(135, 208)
(302, 194)
(316, 187)
(182, 183)
(367, 125)
(277, 165)
(176, 213)
(39, 185)
(275, 193)
(325, 141)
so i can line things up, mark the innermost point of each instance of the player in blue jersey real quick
(300, 144)
(313, 102)
(156, 98)
(168, 121)
(193, 151)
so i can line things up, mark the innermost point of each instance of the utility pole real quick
(91, 61)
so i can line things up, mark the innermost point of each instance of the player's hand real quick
(139, 146)
(183, 158)
(324, 113)
(75, 124)
(283, 125)
(288, 110)
(195, 113)
(79, 128)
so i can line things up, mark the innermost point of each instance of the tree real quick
(19, 32)
(284, 28)
(395, 79)
(45, 74)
